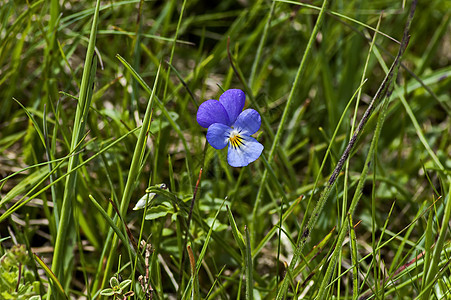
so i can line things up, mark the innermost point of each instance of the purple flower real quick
(227, 123)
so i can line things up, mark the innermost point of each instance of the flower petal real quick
(218, 135)
(144, 199)
(247, 152)
(233, 102)
(210, 112)
(248, 122)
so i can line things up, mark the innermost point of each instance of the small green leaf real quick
(107, 292)
(125, 283)
(114, 282)
(158, 212)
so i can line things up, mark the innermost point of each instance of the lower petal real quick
(247, 152)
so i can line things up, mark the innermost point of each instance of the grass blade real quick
(248, 267)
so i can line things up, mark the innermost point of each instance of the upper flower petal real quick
(233, 102)
(218, 134)
(210, 112)
(248, 122)
(247, 152)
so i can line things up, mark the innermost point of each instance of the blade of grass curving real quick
(110, 222)
(210, 294)
(284, 118)
(135, 74)
(185, 85)
(248, 266)
(33, 120)
(420, 134)
(236, 232)
(132, 240)
(49, 156)
(51, 275)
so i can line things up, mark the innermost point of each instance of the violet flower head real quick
(228, 124)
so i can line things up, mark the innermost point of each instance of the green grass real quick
(349, 200)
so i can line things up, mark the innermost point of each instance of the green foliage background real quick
(167, 57)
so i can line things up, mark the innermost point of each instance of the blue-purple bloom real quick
(227, 123)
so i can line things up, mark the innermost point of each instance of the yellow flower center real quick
(236, 140)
